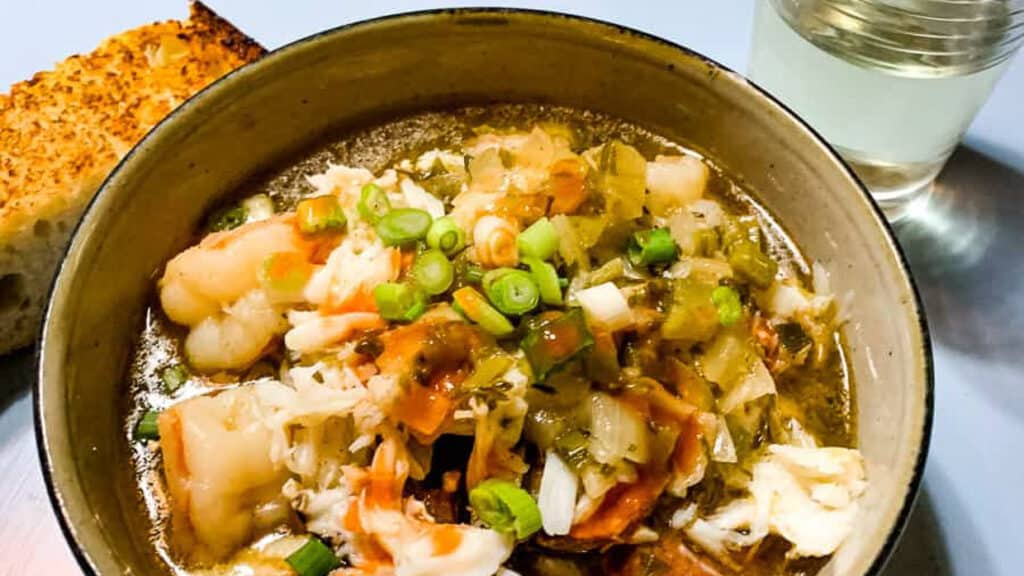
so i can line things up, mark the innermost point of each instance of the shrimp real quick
(532, 154)
(542, 167)
(237, 337)
(470, 206)
(200, 281)
(494, 242)
(418, 546)
(346, 281)
(567, 185)
(218, 469)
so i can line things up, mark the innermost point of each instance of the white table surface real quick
(966, 257)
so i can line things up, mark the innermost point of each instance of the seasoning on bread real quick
(63, 131)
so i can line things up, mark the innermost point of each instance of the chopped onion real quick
(679, 270)
(621, 178)
(616, 431)
(557, 497)
(707, 536)
(569, 245)
(709, 211)
(704, 269)
(756, 383)
(674, 182)
(452, 162)
(683, 516)
(608, 272)
(258, 207)
(683, 227)
(788, 300)
(538, 150)
(486, 171)
(682, 480)
(643, 535)
(710, 269)
(723, 450)
(605, 306)
(543, 426)
(821, 282)
(598, 479)
(727, 358)
(798, 435)
(585, 507)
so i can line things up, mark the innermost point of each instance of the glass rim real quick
(913, 37)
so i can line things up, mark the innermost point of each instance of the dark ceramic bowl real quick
(269, 110)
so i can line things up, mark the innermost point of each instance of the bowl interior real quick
(349, 77)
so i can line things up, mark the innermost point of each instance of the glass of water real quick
(892, 84)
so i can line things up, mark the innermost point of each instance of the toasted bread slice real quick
(64, 130)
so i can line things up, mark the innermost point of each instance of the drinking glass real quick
(891, 84)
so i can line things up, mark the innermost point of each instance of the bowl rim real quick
(41, 423)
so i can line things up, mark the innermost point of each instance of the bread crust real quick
(64, 130)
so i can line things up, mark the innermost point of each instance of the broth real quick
(823, 393)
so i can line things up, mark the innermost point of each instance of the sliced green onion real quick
(403, 226)
(727, 301)
(174, 376)
(313, 558)
(474, 274)
(320, 214)
(373, 203)
(147, 428)
(475, 307)
(753, 265)
(547, 280)
(228, 218)
(653, 246)
(540, 240)
(445, 235)
(399, 302)
(511, 291)
(505, 507)
(433, 272)
(554, 342)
